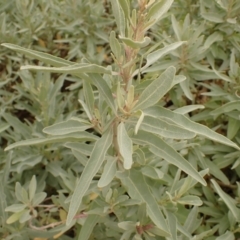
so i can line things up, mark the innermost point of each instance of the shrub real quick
(123, 164)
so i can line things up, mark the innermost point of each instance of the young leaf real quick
(138, 189)
(94, 163)
(190, 200)
(156, 90)
(125, 146)
(163, 150)
(136, 44)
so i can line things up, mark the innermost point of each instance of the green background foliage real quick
(123, 120)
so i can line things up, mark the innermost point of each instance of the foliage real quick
(135, 136)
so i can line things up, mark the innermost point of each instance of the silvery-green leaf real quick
(186, 123)
(156, 90)
(88, 226)
(125, 146)
(66, 127)
(231, 203)
(94, 163)
(65, 138)
(163, 150)
(108, 174)
(190, 200)
(138, 189)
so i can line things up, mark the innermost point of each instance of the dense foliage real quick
(123, 121)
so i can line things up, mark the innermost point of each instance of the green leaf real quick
(172, 223)
(228, 107)
(25, 216)
(94, 163)
(72, 69)
(89, 96)
(164, 128)
(125, 7)
(115, 46)
(21, 193)
(231, 203)
(88, 226)
(233, 127)
(44, 57)
(216, 172)
(32, 187)
(163, 150)
(187, 109)
(156, 90)
(156, 55)
(186, 123)
(65, 138)
(192, 222)
(152, 172)
(157, 10)
(15, 208)
(83, 148)
(14, 217)
(190, 200)
(66, 127)
(136, 44)
(125, 146)
(103, 89)
(119, 16)
(214, 37)
(108, 174)
(226, 236)
(38, 198)
(137, 188)
(4, 126)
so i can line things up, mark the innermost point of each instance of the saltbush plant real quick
(118, 153)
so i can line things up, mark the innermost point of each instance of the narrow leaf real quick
(190, 200)
(156, 55)
(228, 107)
(72, 69)
(156, 90)
(165, 128)
(108, 174)
(136, 44)
(163, 150)
(32, 187)
(125, 146)
(94, 163)
(231, 203)
(65, 138)
(44, 57)
(138, 189)
(186, 123)
(66, 127)
(88, 226)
